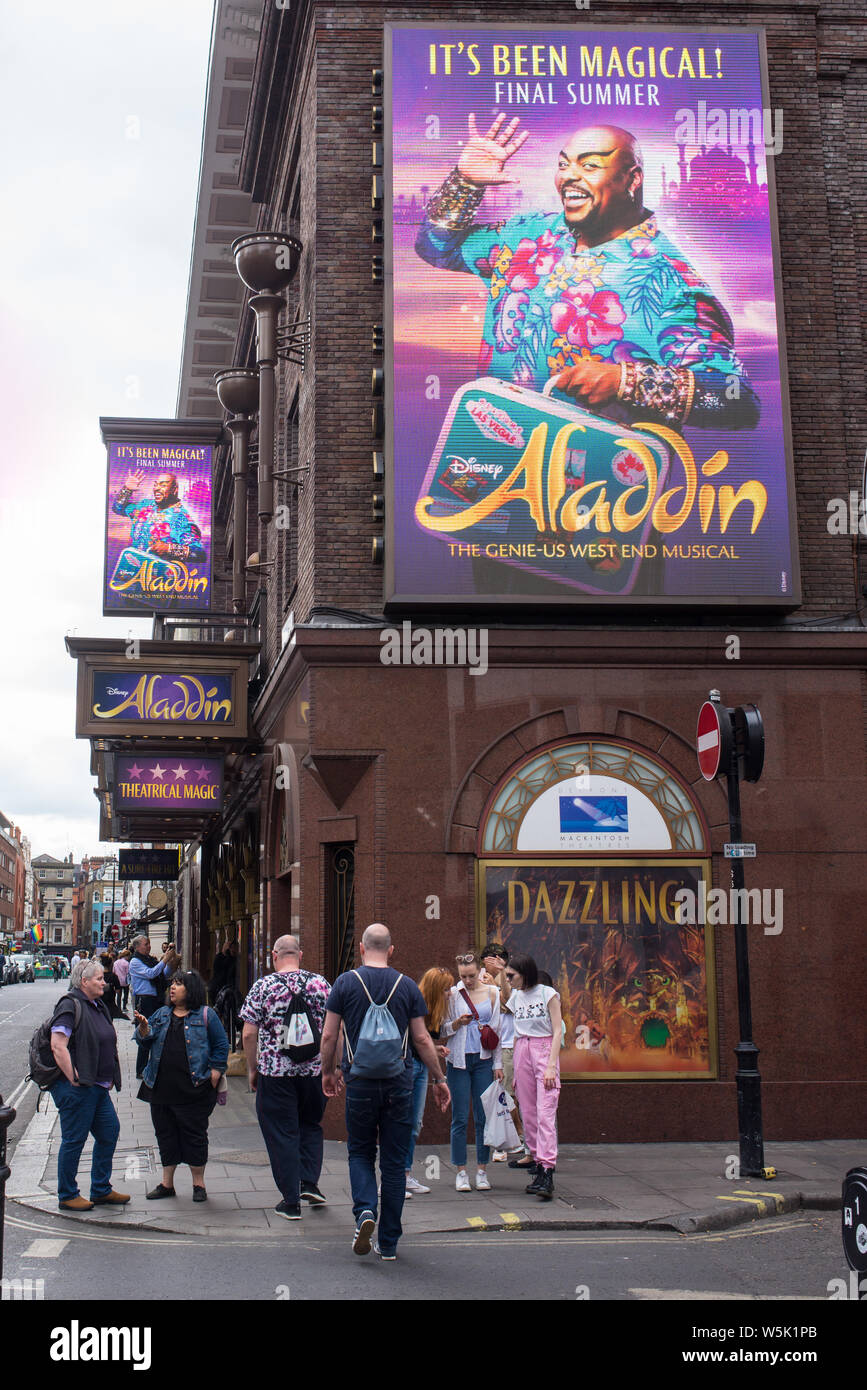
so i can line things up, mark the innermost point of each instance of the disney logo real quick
(471, 465)
(110, 690)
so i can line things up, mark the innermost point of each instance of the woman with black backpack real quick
(84, 1047)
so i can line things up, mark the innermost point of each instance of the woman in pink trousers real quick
(537, 1066)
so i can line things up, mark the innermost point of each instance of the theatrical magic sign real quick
(636, 983)
(158, 527)
(173, 781)
(587, 390)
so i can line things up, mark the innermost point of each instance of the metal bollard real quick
(7, 1115)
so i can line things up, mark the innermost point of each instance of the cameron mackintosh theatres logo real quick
(158, 528)
(153, 697)
(588, 385)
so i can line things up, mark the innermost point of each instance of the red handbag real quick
(489, 1039)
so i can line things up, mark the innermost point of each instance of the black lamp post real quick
(238, 392)
(266, 262)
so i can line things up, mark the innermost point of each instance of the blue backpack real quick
(380, 1052)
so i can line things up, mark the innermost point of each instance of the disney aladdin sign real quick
(161, 695)
(172, 698)
(584, 350)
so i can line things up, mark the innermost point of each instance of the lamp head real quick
(266, 261)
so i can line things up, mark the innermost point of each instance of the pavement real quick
(662, 1187)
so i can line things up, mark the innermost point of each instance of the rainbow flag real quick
(36, 932)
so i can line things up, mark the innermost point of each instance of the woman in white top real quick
(471, 1066)
(537, 1014)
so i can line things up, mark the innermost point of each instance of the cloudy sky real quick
(102, 107)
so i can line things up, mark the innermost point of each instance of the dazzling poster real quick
(158, 528)
(635, 983)
(587, 396)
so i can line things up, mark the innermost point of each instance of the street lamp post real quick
(238, 392)
(266, 262)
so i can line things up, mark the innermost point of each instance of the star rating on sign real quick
(181, 772)
(202, 773)
(159, 772)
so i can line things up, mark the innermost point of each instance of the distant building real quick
(54, 882)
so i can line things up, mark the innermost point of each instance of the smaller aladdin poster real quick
(635, 982)
(158, 528)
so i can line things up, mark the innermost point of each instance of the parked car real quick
(26, 966)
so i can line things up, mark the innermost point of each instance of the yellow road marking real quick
(747, 1197)
(477, 1223)
(777, 1196)
(512, 1222)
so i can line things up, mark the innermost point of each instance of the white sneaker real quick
(498, 1156)
(414, 1186)
(462, 1182)
(482, 1184)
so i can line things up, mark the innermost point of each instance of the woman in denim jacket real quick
(187, 1051)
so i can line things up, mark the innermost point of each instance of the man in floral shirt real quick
(160, 524)
(289, 1099)
(595, 295)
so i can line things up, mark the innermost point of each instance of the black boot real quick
(544, 1187)
(533, 1185)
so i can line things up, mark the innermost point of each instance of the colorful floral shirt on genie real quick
(151, 523)
(632, 299)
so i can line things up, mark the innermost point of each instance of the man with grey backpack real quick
(380, 1010)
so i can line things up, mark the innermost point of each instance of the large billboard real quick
(158, 527)
(636, 983)
(587, 395)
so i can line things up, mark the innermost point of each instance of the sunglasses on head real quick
(465, 960)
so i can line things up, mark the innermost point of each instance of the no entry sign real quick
(713, 739)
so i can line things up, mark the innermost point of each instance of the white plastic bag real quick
(500, 1132)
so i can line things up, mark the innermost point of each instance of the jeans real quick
(289, 1110)
(379, 1112)
(419, 1096)
(466, 1082)
(84, 1110)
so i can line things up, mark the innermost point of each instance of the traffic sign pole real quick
(726, 741)
(747, 1078)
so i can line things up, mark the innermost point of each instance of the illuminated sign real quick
(171, 698)
(172, 781)
(146, 864)
(588, 395)
(158, 533)
(161, 694)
